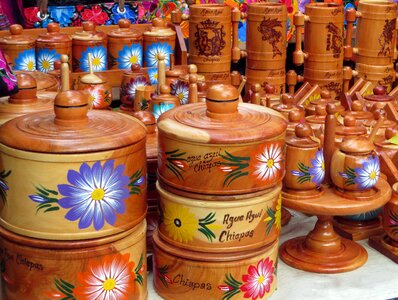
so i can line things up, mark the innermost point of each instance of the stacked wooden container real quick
(73, 204)
(266, 45)
(220, 169)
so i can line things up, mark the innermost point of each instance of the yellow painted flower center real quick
(109, 284)
(91, 98)
(96, 61)
(133, 59)
(30, 66)
(180, 96)
(98, 194)
(155, 76)
(323, 165)
(46, 65)
(177, 222)
(372, 175)
(270, 163)
(261, 279)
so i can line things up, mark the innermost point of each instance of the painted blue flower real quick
(95, 195)
(242, 31)
(26, 60)
(297, 173)
(98, 56)
(151, 56)
(369, 174)
(62, 14)
(37, 198)
(181, 90)
(130, 88)
(159, 109)
(318, 168)
(153, 75)
(130, 55)
(128, 13)
(45, 59)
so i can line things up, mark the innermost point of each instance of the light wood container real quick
(180, 272)
(72, 175)
(42, 269)
(277, 78)
(377, 75)
(219, 224)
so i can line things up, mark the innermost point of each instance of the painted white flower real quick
(151, 55)
(369, 174)
(46, 59)
(26, 60)
(268, 163)
(130, 55)
(98, 56)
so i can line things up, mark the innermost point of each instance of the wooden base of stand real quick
(382, 243)
(286, 216)
(323, 251)
(357, 230)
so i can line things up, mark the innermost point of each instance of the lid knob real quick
(379, 90)
(165, 89)
(296, 115)
(135, 68)
(222, 101)
(390, 132)
(27, 89)
(303, 130)
(53, 27)
(349, 121)
(325, 94)
(124, 23)
(287, 100)
(57, 64)
(320, 110)
(71, 108)
(16, 29)
(147, 118)
(158, 22)
(357, 106)
(269, 89)
(192, 69)
(88, 26)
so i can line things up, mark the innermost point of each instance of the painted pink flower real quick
(258, 281)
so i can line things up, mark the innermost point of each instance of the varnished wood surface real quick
(382, 244)
(357, 230)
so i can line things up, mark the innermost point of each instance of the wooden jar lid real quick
(44, 81)
(350, 127)
(356, 144)
(89, 33)
(320, 115)
(17, 37)
(358, 112)
(159, 28)
(302, 137)
(379, 95)
(135, 70)
(53, 35)
(124, 30)
(72, 129)
(221, 121)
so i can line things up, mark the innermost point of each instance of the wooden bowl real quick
(200, 276)
(41, 269)
(219, 224)
(83, 174)
(220, 147)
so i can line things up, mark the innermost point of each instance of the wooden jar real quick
(25, 101)
(286, 105)
(44, 81)
(277, 78)
(180, 88)
(355, 167)
(124, 46)
(358, 112)
(220, 224)
(305, 166)
(376, 34)
(160, 39)
(378, 98)
(163, 102)
(130, 81)
(323, 42)
(390, 219)
(50, 46)
(83, 173)
(349, 128)
(42, 269)
(377, 75)
(89, 41)
(20, 48)
(220, 148)
(213, 276)
(98, 88)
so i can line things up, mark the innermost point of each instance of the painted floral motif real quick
(153, 76)
(181, 90)
(94, 195)
(393, 222)
(159, 109)
(61, 15)
(98, 54)
(3, 185)
(130, 55)
(45, 59)
(7, 76)
(234, 166)
(366, 176)
(268, 163)
(151, 56)
(182, 225)
(313, 97)
(274, 216)
(254, 285)
(316, 172)
(26, 60)
(99, 96)
(95, 14)
(112, 278)
(174, 161)
(128, 13)
(161, 273)
(128, 89)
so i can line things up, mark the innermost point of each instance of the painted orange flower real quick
(112, 278)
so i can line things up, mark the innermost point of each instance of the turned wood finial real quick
(27, 89)
(287, 100)
(291, 81)
(325, 95)
(298, 54)
(172, 61)
(71, 108)
(241, 86)
(357, 106)
(64, 73)
(350, 16)
(329, 138)
(269, 89)
(124, 23)
(161, 70)
(350, 121)
(192, 69)
(296, 115)
(255, 95)
(193, 88)
(303, 130)
(235, 55)
(379, 90)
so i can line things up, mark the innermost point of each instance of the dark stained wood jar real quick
(82, 173)
(220, 147)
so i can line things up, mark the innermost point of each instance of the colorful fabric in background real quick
(8, 81)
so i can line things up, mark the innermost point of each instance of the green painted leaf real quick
(394, 140)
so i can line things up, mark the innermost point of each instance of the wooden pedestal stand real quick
(323, 250)
(357, 230)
